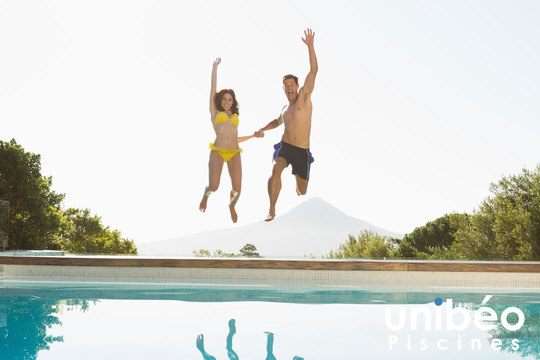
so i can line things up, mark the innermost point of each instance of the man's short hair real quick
(289, 76)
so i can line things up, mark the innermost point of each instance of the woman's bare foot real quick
(233, 199)
(204, 200)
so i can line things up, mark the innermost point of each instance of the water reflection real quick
(230, 351)
(528, 336)
(24, 322)
(340, 323)
(497, 325)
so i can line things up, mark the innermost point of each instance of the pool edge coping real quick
(296, 264)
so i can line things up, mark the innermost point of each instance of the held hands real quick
(258, 134)
(310, 37)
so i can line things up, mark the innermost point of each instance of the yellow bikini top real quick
(221, 117)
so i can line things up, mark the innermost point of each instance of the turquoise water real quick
(78, 321)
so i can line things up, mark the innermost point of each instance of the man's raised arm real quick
(309, 84)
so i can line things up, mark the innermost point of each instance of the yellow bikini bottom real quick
(226, 154)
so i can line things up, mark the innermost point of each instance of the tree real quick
(35, 212)
(249, 250)
(367, 245)
(222, 254)
(84, 233)
(36, 218)
(431, 239)
(507, 224)
(201, 253)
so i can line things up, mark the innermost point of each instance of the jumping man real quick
(293, 148)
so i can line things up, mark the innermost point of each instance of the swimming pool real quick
(53, 317)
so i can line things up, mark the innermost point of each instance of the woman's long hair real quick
(219, 96)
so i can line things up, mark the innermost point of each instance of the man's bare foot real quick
(271, 215)
(204, 200)
(234, 215)
(202, 205)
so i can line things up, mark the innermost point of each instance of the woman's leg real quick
(235, 171)
(200, 346)
(215, 166)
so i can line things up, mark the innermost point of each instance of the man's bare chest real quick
(293, 114)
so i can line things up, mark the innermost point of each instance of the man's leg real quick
(301, 167)
(301, 185)
(232, 330)
(270, 346)
(274, 186)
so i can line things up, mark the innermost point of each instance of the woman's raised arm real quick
(213, 85)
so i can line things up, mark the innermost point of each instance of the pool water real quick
(108, 321)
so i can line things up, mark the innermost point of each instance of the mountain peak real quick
(314, 207)
(312, 227)
(316, 201)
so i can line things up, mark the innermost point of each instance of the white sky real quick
(418, 105)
